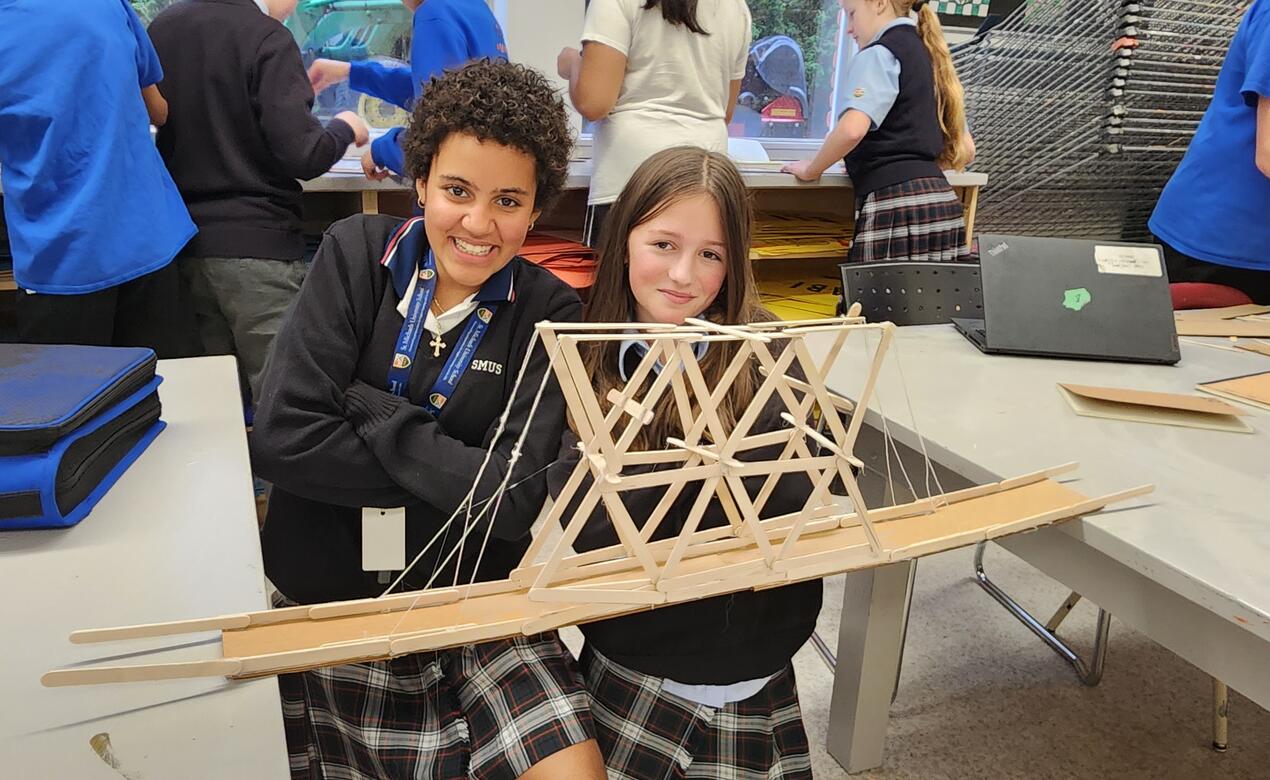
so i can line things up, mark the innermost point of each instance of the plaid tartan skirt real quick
(491, 710)
(646, 734)
(920, 220)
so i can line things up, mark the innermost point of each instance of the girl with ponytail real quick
(904, 124)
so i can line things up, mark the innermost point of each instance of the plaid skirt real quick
(647, 734)
(919, 221)
(491, 710)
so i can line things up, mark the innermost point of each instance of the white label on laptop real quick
(1128, 260)
(383, 539)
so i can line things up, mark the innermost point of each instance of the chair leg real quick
(1088, 673)
(1220, 726)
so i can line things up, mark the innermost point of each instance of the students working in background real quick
(654, 74)
(905, 122)
(240, 133)
(446, 34)
(94, 219)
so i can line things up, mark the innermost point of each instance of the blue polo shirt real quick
(448, 34)
(88, 201)
(1216, 207)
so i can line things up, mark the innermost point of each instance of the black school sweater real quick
(718, 640)
(240, 127)
(332, 439)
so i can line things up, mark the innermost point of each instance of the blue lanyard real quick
(412, 333)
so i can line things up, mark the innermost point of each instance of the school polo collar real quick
(406, 249)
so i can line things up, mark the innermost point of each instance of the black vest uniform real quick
(908, 142)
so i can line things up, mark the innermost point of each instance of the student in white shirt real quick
(654, 74)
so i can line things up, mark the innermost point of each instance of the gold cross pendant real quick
(437, 345)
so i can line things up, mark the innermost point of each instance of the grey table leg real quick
(869, 640)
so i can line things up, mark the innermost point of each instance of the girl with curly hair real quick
(382, 397)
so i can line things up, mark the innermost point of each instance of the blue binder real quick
(72, 419)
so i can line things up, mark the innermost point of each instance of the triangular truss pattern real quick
(555, 587)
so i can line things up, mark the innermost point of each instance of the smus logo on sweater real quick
(488, 366)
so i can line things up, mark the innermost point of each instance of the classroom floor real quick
(981, 697)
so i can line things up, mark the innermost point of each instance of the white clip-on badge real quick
(383, 539)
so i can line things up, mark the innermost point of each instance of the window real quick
(798, 47)
(350, 31)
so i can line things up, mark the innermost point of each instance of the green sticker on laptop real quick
(1077, 299)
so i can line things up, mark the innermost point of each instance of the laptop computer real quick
(1073, 298)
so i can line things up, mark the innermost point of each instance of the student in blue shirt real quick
(94, 219)
(1212, 215)
(447, 34)
(904, 123)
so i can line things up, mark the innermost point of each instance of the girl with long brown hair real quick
(904, 124)
(704, 689)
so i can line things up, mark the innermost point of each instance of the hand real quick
(373, 171)
(327, 73)
(567, 61)
(361, 133)
(802, 170)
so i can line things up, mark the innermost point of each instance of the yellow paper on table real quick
(786, 235)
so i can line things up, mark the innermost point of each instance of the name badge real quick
(383, 539)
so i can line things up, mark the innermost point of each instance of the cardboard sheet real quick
(1253, 389)
(1185, 411)
(1259, 347)
(1248, 320)
(1227, 313)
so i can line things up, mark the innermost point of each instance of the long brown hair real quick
(950, 99)
(678, 12)
(666, 177)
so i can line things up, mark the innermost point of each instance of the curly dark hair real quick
(500, 101)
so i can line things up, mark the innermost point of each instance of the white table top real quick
(1205, 531)
(175, 538)
(346, 177)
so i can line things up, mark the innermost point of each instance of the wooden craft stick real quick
(705, 453)
(804, 516)
(95, 675)
(1079, 510)
(554, 515)
(571, 531)
(629, 406)
(691, 522)
(742, 570)
(862, 403)
(596, 596)
(559, 327)
(569, 616)
(740, 333)
(469, 635)
(853, 490)
(223, 623)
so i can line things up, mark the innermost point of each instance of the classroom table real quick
(1185, 566)
(176, 537)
